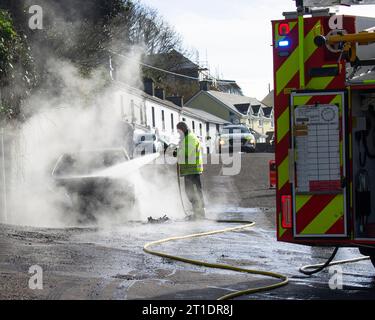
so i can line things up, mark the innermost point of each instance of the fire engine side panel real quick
(285, 75)
(321, 72)
(319, 145)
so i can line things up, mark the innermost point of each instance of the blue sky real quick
(235, 34)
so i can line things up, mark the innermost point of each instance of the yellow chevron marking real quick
(283, 125)
(281, 229)
(283, 173)
(301, 200)
(291, 66)
(319, 83)
(327, 217)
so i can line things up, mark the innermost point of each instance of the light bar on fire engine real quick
(284, 43)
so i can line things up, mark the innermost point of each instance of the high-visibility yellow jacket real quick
(190, 155)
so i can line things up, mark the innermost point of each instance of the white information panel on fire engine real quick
(317, 145)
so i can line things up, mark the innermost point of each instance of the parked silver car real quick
(146, 143)
(236, 136)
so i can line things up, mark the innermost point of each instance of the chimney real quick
(160, 93)
(149, 86)
(204, 85)
(177, 100)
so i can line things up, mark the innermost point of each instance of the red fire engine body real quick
(324, 84)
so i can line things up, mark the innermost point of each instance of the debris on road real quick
(159, 220)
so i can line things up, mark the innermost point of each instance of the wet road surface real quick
(108, 262)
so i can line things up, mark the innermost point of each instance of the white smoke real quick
(84, 115)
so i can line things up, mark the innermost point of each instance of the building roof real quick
(144, 95)
(203, 115)
(269, 99)
(175, 60)
(231, 100)
(229, 86)
(199, 114)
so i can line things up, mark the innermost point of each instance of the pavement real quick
(107, 262)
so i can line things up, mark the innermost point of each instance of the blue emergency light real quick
(284, 43)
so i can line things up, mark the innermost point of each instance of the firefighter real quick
(190, 162)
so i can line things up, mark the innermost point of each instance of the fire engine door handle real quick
(291, 166)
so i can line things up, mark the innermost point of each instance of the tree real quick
(148, 27)
(78, 31)
(17, 76)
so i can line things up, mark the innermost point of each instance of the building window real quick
(217, 128)
(172, 122)
(153, 117)
(141, 114)
(145, 114)
(184, 119)
(260, 123)
(132, 110)
(201, 130)
(208, 128)
(163, 119)
(193, 125)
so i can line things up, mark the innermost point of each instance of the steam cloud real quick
(79, 114)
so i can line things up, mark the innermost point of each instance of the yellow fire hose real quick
(247, 224)
(315, 268)
(283, 278)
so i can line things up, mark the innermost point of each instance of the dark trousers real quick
(193, 189)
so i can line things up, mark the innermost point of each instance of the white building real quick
(151, 111)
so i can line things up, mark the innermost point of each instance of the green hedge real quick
(8, 38)
(16, 69)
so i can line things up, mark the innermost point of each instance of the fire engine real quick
(324, 83)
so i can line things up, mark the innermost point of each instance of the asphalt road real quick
(107, 262)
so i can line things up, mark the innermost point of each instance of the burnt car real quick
(90, 192)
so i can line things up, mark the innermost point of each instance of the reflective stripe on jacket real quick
(190, 155)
